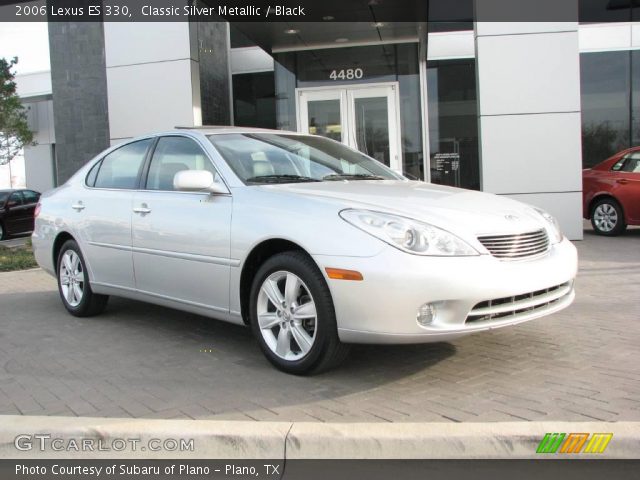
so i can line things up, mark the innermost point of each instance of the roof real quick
(11, 190)
(214, 129)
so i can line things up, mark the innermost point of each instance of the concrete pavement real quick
(142, 361)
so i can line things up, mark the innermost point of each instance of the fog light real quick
(426, 314)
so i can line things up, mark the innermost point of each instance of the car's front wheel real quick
(73, 283)
(2, 232)
(607, 217)
(292, 315)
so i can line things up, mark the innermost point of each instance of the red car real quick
(611, 193)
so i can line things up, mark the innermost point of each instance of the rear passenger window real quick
(15, 200)
(172, 155)
(120, 168)
(30, 196)
(93, 173)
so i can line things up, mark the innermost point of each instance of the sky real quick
(29, 41)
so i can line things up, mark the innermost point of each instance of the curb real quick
(211, 439)
(291, 440)
(500, 440)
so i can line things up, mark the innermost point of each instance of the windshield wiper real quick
(352, 176)
(280, 178)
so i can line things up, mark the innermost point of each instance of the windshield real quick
(259, 158)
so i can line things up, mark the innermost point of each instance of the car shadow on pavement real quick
(146, 361)
(191, 327)
(629, 233)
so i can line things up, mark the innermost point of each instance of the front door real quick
(181, 240)
(365, 117)
(627, 185)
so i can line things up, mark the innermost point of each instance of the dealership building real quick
(512, 108)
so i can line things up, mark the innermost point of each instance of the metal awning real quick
(338, 22)
(281, 36)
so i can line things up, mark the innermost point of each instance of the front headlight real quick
(408, 235)
(553, 227)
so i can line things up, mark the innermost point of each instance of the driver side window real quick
(632, 164)
(172, 155)
(628, 163)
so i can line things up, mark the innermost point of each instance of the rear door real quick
(30, 201)
(102, 214)
(15, 217)
(181, 240)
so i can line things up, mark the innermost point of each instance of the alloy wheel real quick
(71, 278)
(287, 315)
(605, 217)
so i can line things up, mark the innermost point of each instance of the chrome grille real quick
(509, 308)
(516, 246)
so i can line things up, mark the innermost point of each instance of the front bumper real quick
(383, 307)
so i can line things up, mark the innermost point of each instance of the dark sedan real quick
(17, 208)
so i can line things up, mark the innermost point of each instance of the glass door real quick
(323, 113)
(365, 117)
(374, 123)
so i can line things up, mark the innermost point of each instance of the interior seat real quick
(166, 172)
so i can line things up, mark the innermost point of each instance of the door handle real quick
(143, 209)
(622, 181)
(78, 206)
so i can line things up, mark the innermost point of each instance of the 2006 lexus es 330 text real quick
(311, 243)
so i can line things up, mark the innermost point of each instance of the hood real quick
(453, 209)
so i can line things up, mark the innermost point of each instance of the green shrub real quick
(17, 258)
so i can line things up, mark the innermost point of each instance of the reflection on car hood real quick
(450, 208)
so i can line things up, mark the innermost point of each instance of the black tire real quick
(327, 351)
(3, 232)
(90, 303)
(608, 204)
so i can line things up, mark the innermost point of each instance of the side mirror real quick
(197, 181)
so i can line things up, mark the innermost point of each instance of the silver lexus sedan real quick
(310, 243)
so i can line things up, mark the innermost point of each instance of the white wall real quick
(529, 108)
(39, 167)
(151, 78)
(39, 160)
(34, 84)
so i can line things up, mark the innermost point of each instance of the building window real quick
(453, 123)
(254, 100)
(606, 86)
(600, 11)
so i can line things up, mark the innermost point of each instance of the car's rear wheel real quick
(2, 232)
(292, 315)
(73, 283)
(607, 217)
